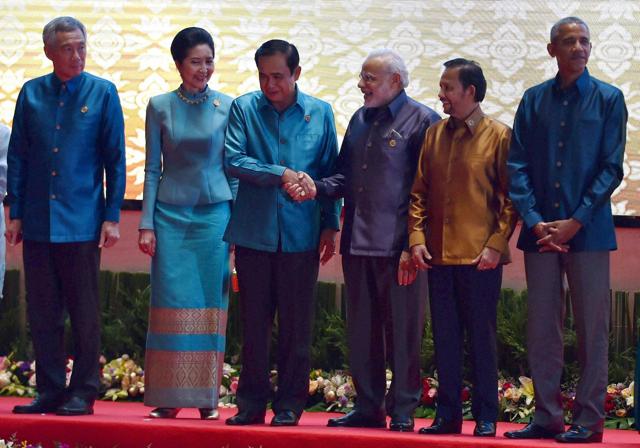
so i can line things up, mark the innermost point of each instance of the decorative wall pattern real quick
(129, 44)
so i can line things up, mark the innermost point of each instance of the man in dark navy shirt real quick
(386, 297)
(565, 162)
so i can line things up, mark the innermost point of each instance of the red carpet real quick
(124, 425)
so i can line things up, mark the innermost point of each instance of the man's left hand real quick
(488, 259)
(109, 234)
(327, 247)
(407, 271)
(559, 234)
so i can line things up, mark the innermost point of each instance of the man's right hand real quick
(421, 257)
(147, 241)
(14, 232)
(302, 189)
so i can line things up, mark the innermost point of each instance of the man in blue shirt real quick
(68, 131)
(386, 296)
(565, 162)
(273, 136)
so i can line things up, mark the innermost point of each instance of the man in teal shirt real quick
(273, 137)
(67, 138)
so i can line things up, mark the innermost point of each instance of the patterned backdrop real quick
(129, 44)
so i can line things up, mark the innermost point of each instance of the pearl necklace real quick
(200, 100)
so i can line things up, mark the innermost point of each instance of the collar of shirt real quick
(471, 122)
(300, 102)
(394, 107)
(71, 85)
(582, 84)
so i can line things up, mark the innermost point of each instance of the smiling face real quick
(196, 68)
(276, 80)
(571, 48)
(377, 84)
(68, 53)
(457, 101)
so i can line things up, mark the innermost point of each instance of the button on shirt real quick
(260, 144)
(566, 159)
(65, 137)
(374, 173)
(459, 200)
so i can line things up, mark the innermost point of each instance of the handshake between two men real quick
(299, 186)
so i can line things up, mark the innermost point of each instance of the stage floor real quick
(125, 425)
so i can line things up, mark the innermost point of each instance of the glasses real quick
(367, 78)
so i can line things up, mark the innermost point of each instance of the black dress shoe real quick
(401, 424)
(245, 418)
(442, 426)
(164, 412)
(532, 431)
(76, 406)
(485, 429)
(42, 404)
(355, 419)
(209, 414)
(285, 418)
(579, 434)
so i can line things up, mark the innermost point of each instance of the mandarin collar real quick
(471, 122)
(300, 102)
(71, 85)
(582, 83)
(394, 107)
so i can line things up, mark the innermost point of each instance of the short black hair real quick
(273, 46)
(470, 74)
(188, 38)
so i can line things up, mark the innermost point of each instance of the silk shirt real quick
(65, 138)
(566, 159)
(374, 173)
(184, 162)
(459, 201)
(260, 144)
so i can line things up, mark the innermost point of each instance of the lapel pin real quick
(84, 109)
(307, 118)
(216, 102)
(392, 143)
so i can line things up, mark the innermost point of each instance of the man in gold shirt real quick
(460, 222)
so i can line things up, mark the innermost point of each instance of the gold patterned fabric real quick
(459, 200)
(187, 320)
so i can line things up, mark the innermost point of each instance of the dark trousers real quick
(385, 323)
(63, 276)
(463, 298)
(275, 283)
(587, 274)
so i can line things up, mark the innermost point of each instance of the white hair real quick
(394, 62)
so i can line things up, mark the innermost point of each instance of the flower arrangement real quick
(123, 379)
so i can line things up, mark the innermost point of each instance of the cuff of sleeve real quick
(532, 218)
(112, 214)
(15, 211)
(330, 222)
(416, 237)
(582, 215)
(498, 242)
(321, 188)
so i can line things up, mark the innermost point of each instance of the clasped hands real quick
(299, 186)
(554, 236)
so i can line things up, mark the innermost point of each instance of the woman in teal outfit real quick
(185, 209)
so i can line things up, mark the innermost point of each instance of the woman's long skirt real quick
(188, 310)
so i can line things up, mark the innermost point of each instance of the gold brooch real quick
(216, 102)
(84, 109)
(392, 143)
(307, 118)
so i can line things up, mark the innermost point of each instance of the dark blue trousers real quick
(59, 277)
(464, 300)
